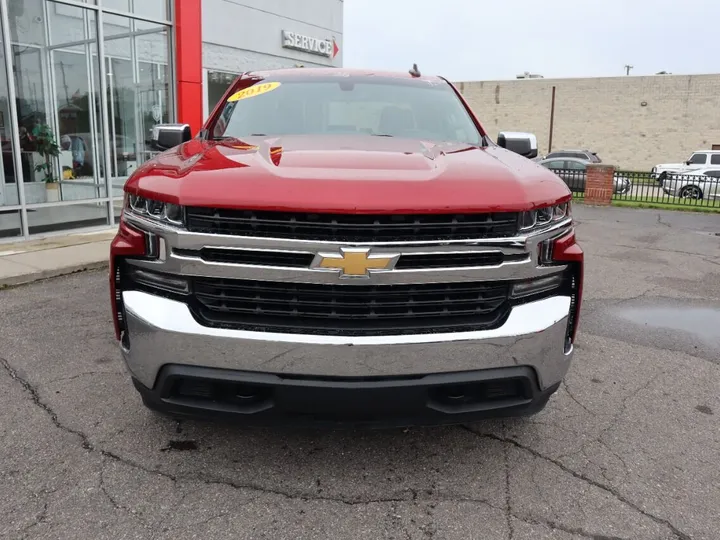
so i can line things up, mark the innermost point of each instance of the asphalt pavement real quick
(628, 448)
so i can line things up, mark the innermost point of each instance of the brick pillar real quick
(599, 184)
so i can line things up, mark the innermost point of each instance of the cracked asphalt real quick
(627, 449)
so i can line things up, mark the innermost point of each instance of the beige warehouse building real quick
(632, 122)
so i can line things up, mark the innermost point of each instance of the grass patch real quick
(660, 205)
(657, 203)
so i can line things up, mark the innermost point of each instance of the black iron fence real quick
(692, 188)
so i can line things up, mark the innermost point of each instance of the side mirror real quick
(524, 144)
(166, 136)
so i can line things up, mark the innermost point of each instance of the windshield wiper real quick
(381, 135)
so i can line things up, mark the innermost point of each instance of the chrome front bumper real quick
(163, 331)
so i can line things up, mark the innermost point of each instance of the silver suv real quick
(586, 155)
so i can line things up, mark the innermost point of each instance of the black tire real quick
(661, 179)
(691, 192)
(626, 189)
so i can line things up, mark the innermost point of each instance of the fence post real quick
(599, 184)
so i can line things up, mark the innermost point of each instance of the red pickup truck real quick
(345, 246)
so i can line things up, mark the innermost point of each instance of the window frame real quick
(578, 166)
(691, 162)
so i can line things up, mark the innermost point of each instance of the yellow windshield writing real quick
(253, 91)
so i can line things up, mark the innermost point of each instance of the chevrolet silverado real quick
(343, 246)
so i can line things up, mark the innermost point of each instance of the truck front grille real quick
(349, 309)
(351, 227)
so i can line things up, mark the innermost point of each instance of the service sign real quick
(299, 42)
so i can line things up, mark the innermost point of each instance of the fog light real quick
(536, 286)
(160, 281)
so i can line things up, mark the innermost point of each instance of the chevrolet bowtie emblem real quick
(355, 262)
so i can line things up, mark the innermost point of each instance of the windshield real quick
(345, 105)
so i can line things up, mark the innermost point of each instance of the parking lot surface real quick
(628, 448)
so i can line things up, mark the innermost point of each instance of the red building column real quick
(188, 62)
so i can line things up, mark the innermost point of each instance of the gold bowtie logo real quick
(355, 262)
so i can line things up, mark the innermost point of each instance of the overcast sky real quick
(498, 39)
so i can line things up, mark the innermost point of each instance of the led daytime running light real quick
(161, 211)
(536, 219)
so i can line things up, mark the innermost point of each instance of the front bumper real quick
(163, 332)
(266, 399)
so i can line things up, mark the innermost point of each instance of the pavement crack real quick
(42, 516)
(214, 481)
(113, 500)
(606, 488)
(87, 445)
(624, 403)
(508, 505)
(84, 374)
(661, 222)
(575, 531)
(572, 396)
(35, 396)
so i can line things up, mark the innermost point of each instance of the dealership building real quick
(95, 76)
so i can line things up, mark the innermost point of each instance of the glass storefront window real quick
(10, 224)
(26, 25)
(139, 93)
(69, 24)
(217, 84)
(9, 219)
(119, 5)
(151, 9)
(51, 218)
(57, 80)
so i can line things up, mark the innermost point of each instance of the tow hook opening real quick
(479, 395)
(241, 397)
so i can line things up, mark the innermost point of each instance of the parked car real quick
(574, 172)
(696, 184)
(272, 268)
(586, 155)
(698, 160)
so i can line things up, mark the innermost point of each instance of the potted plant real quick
(48, 148)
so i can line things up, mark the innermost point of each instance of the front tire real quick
(691, 192)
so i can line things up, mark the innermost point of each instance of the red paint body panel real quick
(356, 174)
(128, 242)
(188, 44)
(566, 249)
(339, 173)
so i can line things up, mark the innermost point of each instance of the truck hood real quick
(358, 174)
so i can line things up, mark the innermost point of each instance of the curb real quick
(40, 275)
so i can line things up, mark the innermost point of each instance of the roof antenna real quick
(414, 71)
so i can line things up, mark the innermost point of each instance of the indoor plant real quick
(48, 148)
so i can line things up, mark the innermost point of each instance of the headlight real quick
(542, 217)
(172, 214)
